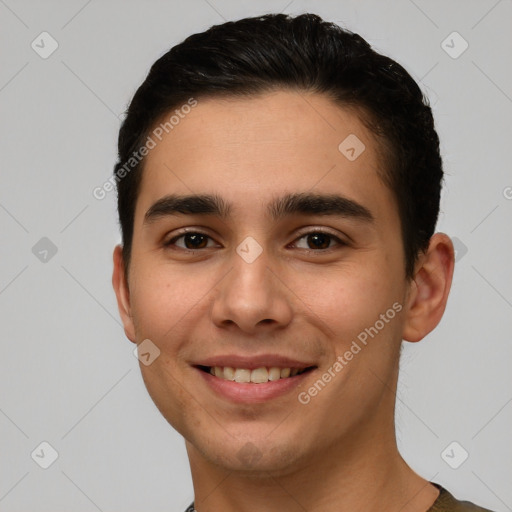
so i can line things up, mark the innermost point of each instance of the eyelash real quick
(340, 243)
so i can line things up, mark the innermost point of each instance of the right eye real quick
(191, 241)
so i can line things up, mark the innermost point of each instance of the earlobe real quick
(122, 291)
(430, 288)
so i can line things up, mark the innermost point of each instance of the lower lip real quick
(249, 393)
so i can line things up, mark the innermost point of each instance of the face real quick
(262, 274)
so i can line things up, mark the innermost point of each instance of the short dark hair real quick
(304, 53)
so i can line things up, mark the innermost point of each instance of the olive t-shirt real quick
(447, 503)
(444, 503)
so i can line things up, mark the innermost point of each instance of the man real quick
(278, 191)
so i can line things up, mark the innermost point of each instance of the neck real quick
(366, 473)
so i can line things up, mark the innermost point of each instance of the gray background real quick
(67, 373)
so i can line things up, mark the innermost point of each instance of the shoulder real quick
(448, 503)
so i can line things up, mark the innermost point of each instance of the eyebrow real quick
(289, 204)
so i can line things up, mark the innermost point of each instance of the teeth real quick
(256, 376)
(241, 375)
(229, 373)
(274, 373)
(259, 375)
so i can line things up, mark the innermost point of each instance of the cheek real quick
(348, 300)
(163, 298)
(167, 391)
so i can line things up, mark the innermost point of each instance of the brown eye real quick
(190, 241)
(318, 240)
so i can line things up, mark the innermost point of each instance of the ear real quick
(429, 289)
(120, 285)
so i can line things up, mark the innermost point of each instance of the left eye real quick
(318, 240)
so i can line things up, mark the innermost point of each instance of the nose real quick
(252, 297)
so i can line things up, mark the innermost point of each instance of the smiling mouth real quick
(256, 376)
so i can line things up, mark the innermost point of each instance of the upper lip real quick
(252, 362)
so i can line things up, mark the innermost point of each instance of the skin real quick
(338, 452)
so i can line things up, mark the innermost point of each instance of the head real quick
(293, 141)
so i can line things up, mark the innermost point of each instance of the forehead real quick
(256, 148)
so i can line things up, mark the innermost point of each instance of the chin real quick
(256, 458)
